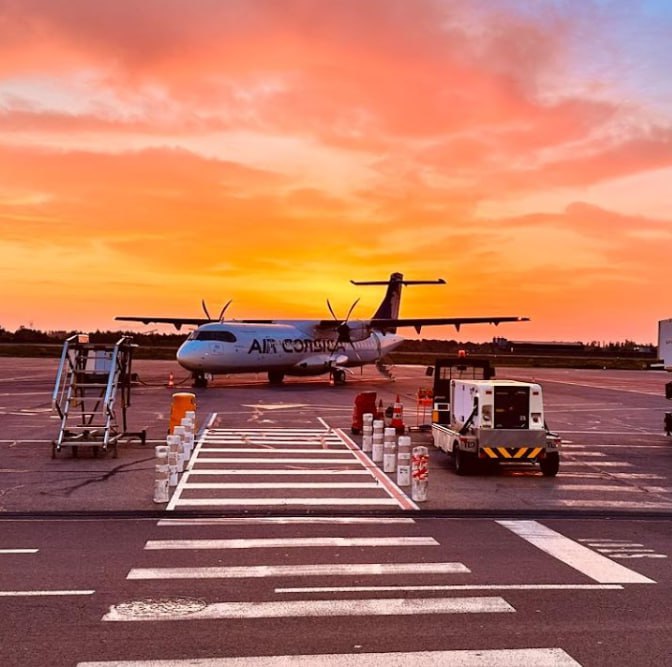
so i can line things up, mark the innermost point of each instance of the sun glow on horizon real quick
(270, 152)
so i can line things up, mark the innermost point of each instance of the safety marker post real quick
(404, 461)
(367, 432)
(171, 380)
(173, 454)
(389, 450)
(188, 442)
(377, 447)
(162, 476)
(419, 473)
(181, 452)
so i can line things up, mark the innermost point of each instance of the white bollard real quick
(419, 474)
(378, 426)
(189, 436)
(161, 492)
(173, 455)
(389, 455)
(367, 443)
(377, 448)
(404, 461)
(180, 431)
(367, 419)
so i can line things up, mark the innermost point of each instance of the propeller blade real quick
(223, 310)
(205, 309)
(347, 317)
(331, 310)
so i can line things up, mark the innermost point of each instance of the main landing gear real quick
(275, 377)
(338, 376)
(200, 381)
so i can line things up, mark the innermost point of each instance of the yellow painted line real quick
(535, 453)
(521, 452)
(489, 452)
(504, 452)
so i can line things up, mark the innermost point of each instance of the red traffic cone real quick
(171, 380)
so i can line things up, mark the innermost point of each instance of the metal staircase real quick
(93, 385)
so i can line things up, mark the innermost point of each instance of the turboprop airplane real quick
(302, 347)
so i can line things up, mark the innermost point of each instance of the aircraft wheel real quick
(339, 376)
(275, 377)
(550, 464)
(200, 381)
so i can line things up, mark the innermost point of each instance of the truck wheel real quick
(550, 464)
(461, 461)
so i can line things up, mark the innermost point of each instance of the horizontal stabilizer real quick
(438, 281)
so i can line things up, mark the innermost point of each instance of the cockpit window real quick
(223, 336)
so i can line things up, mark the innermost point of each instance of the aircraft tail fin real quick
(389, 306)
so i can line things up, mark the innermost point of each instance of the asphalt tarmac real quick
(615, 456)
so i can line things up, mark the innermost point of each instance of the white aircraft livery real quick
(302, 347)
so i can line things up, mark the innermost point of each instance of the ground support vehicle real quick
(496, 421)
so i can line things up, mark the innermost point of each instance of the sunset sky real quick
(155, 153)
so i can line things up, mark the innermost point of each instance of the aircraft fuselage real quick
(293, 349)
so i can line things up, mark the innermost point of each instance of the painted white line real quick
(515, 657)
(18, 551)
(284, 485)
(586, 561)
(602, 488)
(607, 475)
(597, 464)
(626, 504)
(465, 587)
(266, 502)
(279, 471)
(317, 608)
(271, 432)
(583, 454)
(351, 460)
(18, 594)
(635, 475)
(273, 450)
(317, 570)
(610, 543)
(293, 542)
(282, 520)
(392, 489)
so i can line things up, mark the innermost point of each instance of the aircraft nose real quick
(189, 357)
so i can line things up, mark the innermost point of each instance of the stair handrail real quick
(59, 385)
(111, 390)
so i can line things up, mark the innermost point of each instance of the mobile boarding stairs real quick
(93, 385)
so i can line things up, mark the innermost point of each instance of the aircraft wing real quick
(177, 322)
(418, 322)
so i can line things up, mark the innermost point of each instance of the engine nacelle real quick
(354, 331)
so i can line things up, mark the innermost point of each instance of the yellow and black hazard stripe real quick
(510, 453)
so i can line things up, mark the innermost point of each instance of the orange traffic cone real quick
(171, 380)
(398, 416)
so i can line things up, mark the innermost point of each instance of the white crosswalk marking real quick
(517, 657)
(293, 542)
(303, 463)
(317, 608)
(321, 570)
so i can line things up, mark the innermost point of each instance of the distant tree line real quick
(496, 346)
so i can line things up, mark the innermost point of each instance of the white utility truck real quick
(496, 421)
(665, 343)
